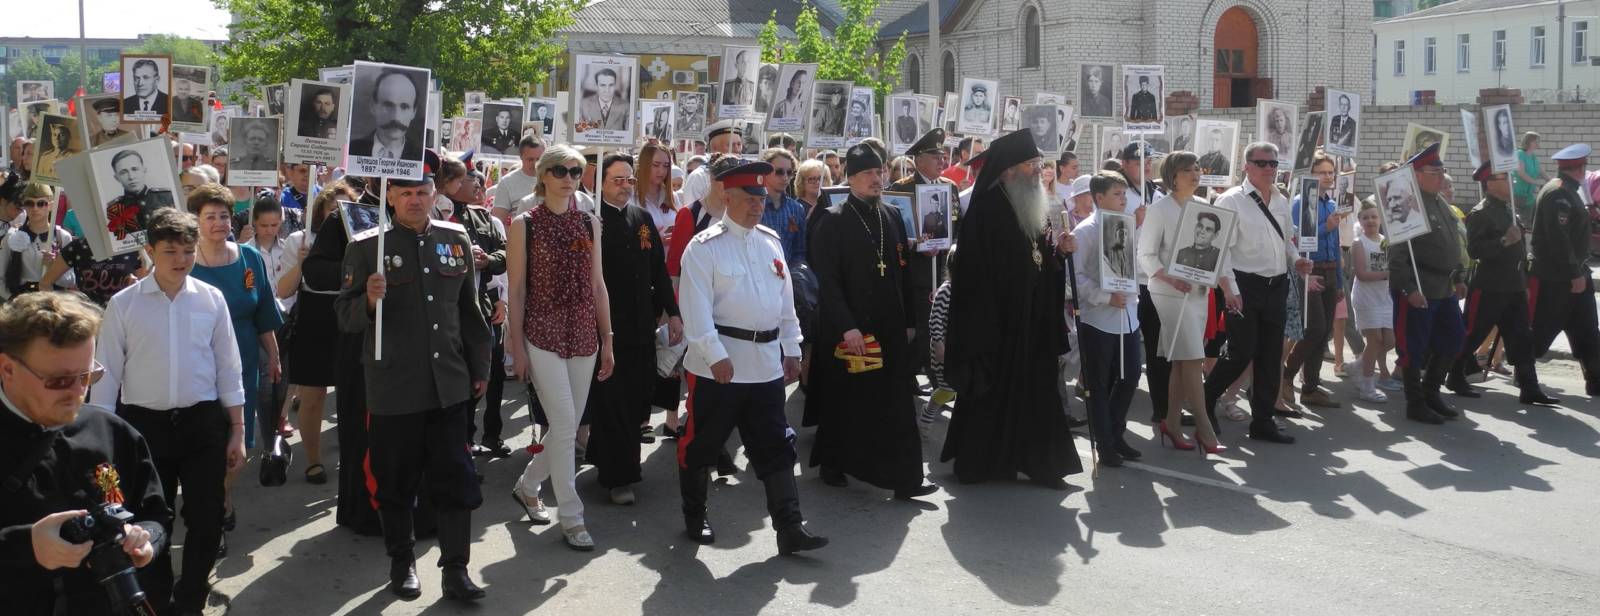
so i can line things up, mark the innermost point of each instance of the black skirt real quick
(314, 340)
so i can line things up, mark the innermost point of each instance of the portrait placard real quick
(933, 216)
(1305, 148)
(189, 87)
(502, 129)
(793, 101)
(464, 134)
(33, 112)
(35, 91)
(858, 122)
(388, 115)
(57, 137)
(1343, 118)
(1401, 200)
(1179, 131)
(253, 157)
(147, 83)
(128, 183)
(1049, 98)
(1203, 229)
(977, 106)
(1041, 122)
(603, 95)
(1275, 123)
(1118, 272)
(656, 120)
(1094, 91)
(317, 123)
(100, 120)
(357, 217)
(1144, 88)
(1112, 141)
(220, 122)
(905, 122)
(1309, 195)
(766, 89)
(1011, 114)
(543, 111)
(690, 115)
(1219, 142)
(904, 205)
(829, 104)
(950, 112)
(1502, 138)
(1067, 128)
(1419, 137)
(563, 123)
(337, 74)
(1469, 129)
(835, 195)
(1344, 191)
(473, 103)
(738, 81)
(277, 99)
(430, 130)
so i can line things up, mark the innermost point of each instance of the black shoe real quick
(798, 539)
(834, 478)
(1533, 394)
(1074, 423)
(915, 493)
(726, 467)
(1275, 436)
(1460, 387)
(403, 579)
(222, 547)
(1057, 483)
(1421, 413)
(1128, 452)
(1110, 457)
(1592, 388)
(647, 435)
(699, 530)
(1438, 405)
(230, 521)
(496, 449)
(457, 586)
(670, 433)
(1289, 414)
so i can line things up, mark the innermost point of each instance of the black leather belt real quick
(745, 334)
(1257, 279)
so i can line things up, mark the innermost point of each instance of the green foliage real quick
(851, 54)
(498, 47)
(70, 73)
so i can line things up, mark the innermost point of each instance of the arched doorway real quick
(1237, 81)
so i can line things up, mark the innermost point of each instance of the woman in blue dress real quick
(238, 271)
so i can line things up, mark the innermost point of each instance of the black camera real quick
(106, 561)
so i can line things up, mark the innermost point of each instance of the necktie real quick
(146, 104)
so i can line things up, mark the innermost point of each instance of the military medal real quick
(396, 262)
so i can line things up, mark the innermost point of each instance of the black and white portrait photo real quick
(1203, 230)
(1218, 141)
(1309, 202)
(358, 217)
(1094, 91)
(858, 121)
(740, 66)
(829, 105)
(657, 120)
(218, 121)
(977, 106)
(1275, 125)
(1419, 137)
(543, 111)
(253, 156)
(130, 182)
(690, 115)
(474, 101)
(33, 112)
(1180, 133)
(1310, 138)
(190, 85)
(502, 129)
(56, 138)
(1117, 248)
(1066, 128)
(932, 216)
(1011, 117)
(35, 91)
(1502, 138)
(146, 88)
(1040, 121)
(1344, 116)
(1049, 98)
(1112, 141)
(1469, 131)
(766, 89)
(388, 115)
(950, 112)
(100, 119)
(603, 94)
(1143, 87)
(345, 75)
(277, 97)
(319, 113)
(1401, 201)
(905, 126)
(793, 101)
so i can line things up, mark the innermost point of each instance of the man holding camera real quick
(57, 464)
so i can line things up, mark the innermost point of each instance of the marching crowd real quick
(616, 286)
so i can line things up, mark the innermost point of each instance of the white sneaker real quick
(1391, 384)
(1352, 370)
(622, 495)
(1369, 392)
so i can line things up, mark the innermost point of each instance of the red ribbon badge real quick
(777, 267)
(644, 237)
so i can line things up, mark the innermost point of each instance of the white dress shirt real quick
(736, 277)
(697, 185)
(379, 150)
(164, 354)
(277, 260)
(1094, 303)
(1256, 248)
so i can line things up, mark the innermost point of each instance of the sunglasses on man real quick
(1273, 163)
(58, 383)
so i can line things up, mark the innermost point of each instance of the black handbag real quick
(275, 464)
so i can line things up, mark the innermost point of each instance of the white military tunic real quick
(736, 277)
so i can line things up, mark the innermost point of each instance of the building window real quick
(1230, 62)
(1463, 52)
(1382, 9)
(1580, 42)
(1030, 37)
(1430, 55)
(947, 73)
(1399, 58)
(1536, 47)
(1497, 52)
(914, 73)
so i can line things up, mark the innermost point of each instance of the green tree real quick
(850, 55)
(498, 47)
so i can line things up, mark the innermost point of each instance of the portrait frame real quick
(162, 100)
(33, 112)
(950, 113)
(547, 128)
(46, 163)
(1068, 136)
(1010, 121)
(1111, 142)
(1502, 147)
(1179, 131)
(1119, 272)
(1287, 139)
(1309, 140)
(905, 204)
(740, 102)
(974, 120)
(690, 123)
(189, 112)
(1470, 134)
(859, 125)
(1344, 193)
(88, 121)
(161, 173)
(357, 217)
(898, 140)
(822, 130)
(490, 145)
(472, 101)
(361, 160)
(648, 110)
(1143, 110)
(1049, 98)
(595, 123)
(789, 114)
(219, 126)
(1419, 137)
(1188, 263)
(1342, 135)
(766, 89)
(302, 144)
(1049, 140)
(934, 205)
(244, 170)
(277, 96)
(1309, 193)
(1400, 185)
(1100, 104)
(834, 195)
(345, 75)
(1217, 172)
(465, 133)
(35, 90)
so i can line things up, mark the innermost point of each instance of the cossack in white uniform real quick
(736, 277)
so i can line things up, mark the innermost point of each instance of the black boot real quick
(398, 541)
(692, 487)
(1591, 377)
(797, 539)
(458, 586)
(1431, 380)
(725, 465)
(1130, 453)
(455, 545)
(783, 504)
(1457, 382)
(1416, 408)
(1528, 383)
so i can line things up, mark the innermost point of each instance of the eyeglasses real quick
(58, 383)
(627, 181)
(783, 172)
(561, 172)
(190, 159)
(1265, 163)
(36, 203)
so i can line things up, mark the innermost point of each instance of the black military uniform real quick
(923, 268)
(1428, 339)
(1560, 251)
(48, 471)
(436, 345)
(635, 268)
(489, 238)
(130, 212)
(1498, 294)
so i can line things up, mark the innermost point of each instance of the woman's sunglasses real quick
(561, 172)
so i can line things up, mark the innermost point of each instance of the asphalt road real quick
(1367, 514)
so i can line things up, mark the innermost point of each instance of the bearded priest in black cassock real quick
(1007, 326)
(866, 422)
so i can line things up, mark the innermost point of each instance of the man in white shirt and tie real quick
(1255, 283)
(173, 372)
(147, 101)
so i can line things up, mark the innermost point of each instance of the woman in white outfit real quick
(560, 312)
(1182, 343)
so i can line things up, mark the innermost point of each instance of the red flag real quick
(72, 105)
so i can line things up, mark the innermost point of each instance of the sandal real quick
(319, 477)
(647, 435)
(578, 538)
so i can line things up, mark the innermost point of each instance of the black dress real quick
(315, 332)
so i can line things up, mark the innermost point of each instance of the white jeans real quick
(561, 384)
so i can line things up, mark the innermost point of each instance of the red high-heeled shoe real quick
(1176, 439)
(1208, 449)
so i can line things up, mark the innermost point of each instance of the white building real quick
(1546, 48)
